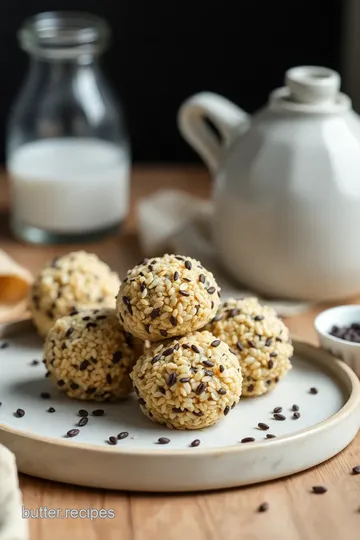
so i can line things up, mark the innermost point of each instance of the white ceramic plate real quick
(329, 421)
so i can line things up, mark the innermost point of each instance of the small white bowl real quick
(345, 350)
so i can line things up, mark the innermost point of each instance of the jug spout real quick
(228, 119)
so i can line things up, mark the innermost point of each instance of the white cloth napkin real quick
(175, 221)
(12, 526)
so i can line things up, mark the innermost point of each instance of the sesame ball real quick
(90, 356)
(166, 297)
(69, 284)
(188, 383)
(259, 339)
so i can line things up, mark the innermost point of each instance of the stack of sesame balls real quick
(201, 354)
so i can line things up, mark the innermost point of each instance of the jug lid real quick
(310, 89)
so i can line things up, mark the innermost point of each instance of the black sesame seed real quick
(247, 439)
(276, 379)
(221, 369)
(176, 275)
(212, 304)
(61, 383)
(142, 286)
(156, 359)
(198, 413)
(197, 307)
(277, 409)
(251, 344)
(73, 432)
(186, 346)
(195, 349)
(122, 435)
(188, 265)
(184, 293)
(83, 413)
(155, 313)
(296, 415)
(185, 379)
(208, 363)
(195, 442)
(270, 364)
(84, 364)
(179, 258)
(74, 386)
(168, 352)
(117, 356)
(163, 333)
(162, 390)
(47, 374)
(268, 342)
(211, 290)
(173, 320)
(73, 312)
(45, 395)
(264, 507)
(150, 268)
(200, 389)
(226, 410)
(141, 401)
(163, 440)
(273, 354)
(91, 325)
(172, 379)
(193, 369)
(176, 347)
(147, 328)
(208, 373)
(34, 362)
(215, 343)
(278, 416)
(319, 490)
(108, 378)
(51, 410)
(222, 391)
(98, 412)
(263, 426)
(313, 390)
(202, 278)
(234, 312)
(112, 441)
(270, 436)
(87, 318)
(69, 331)
(176, 410)
(250, 388)
(83, 421)
(356, 469)
(278, 339)
(259, 318)
(91, 390)
(295, 408)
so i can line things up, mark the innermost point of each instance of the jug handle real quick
(227, 117)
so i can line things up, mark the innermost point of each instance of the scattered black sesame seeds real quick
(211, 290)
(117, 356)
(215, 343)
(278, 416)
(356, 470)
(98, 412)
(226, 410)
(176, 275)
(156, 359)
(163, 333)
(222, 391)
(83, 413)
(188, 265)
(184, 293)
(34, 363)
(277, 409)
(268, 342)
(198, 413)
(295, 407)
(264, 507)
(259, 318)
(142, 401)
(83, 421)
(69, 331)
(155, 313)
(200, 389)
(19, 413)
(45, 395)
(195, 349)
(194, 443)
(73, 433)
(247, 439)
(112, 441)
(296, 415)
(51, 410)
(273, 354)
(270, 436)
(173, 320)
(185, 379)
(233, 312)
(208, 363)
(221, 369)
(251, 344)
(263, 426)
(84, 364)
(122, 435)
(202, 278)
(270, 364)
(319, 490)
(313, 390)
(163, 440)
(91, 325)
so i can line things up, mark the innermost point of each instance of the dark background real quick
(165, 50)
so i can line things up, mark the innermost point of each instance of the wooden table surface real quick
(295, 513)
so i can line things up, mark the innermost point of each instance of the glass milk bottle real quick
(68, 154)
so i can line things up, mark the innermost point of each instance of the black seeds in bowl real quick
(19, 413)
(83, 421)
(73, 432)
(123, 435)
(349, 332)
(98, 412)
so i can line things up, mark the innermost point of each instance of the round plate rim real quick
(336, 366)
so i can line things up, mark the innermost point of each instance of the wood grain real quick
(294, 514)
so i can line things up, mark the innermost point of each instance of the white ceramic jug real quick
(287, 189)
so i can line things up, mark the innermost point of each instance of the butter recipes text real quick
(44, 512)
